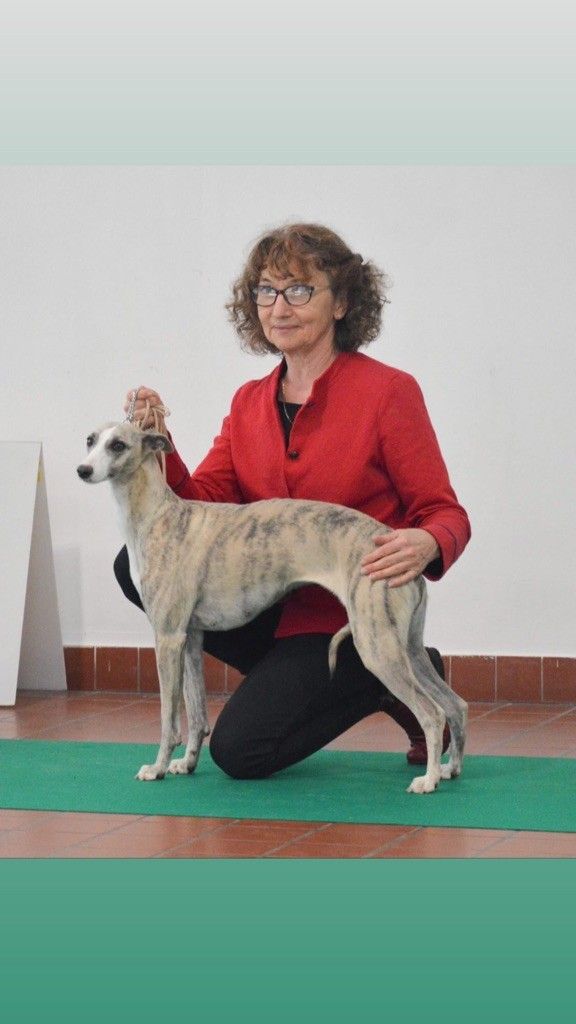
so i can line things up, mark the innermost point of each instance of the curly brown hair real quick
(303, 247)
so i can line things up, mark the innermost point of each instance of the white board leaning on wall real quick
(31, 653)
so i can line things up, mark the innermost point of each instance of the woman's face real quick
(300, 329)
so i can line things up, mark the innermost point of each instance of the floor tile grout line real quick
(305, 835)
(397, 842)
(87, 840)
(211, 830)
(517, 735)
(501, 840)
(491, 843)
(552, 715)
(88, 718)
(295, 839)
(79, 843)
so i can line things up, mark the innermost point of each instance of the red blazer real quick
(363, 439)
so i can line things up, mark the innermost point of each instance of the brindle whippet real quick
(208, 566)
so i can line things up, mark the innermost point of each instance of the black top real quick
(287, 412)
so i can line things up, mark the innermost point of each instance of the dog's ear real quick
(156, 442)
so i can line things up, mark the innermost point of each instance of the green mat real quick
(529, 793)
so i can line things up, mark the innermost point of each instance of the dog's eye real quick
(118, 446)
(90, 440)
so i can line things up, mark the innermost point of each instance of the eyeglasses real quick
(294, 294)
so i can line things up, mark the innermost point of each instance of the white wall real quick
(117, 276)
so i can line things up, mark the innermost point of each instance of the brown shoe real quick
(418, 753)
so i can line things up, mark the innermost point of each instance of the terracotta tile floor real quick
(546, 730)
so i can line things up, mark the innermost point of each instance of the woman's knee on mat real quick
(236, 755)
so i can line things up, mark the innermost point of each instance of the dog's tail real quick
(334, 645)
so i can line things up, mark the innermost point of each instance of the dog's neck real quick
(141, 497)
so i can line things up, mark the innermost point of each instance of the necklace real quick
(284, 403)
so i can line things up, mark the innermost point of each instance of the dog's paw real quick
(449, 771)
(149, 773)
(422, 784)
(181, 766)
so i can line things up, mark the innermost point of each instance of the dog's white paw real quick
(181, 766)
(449, 771)
(149, 773)
(422, 784)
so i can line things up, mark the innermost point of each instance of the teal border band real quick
(259, 940)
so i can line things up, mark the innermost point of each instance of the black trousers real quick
(287, 707)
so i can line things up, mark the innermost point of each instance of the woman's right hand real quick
(145, 395)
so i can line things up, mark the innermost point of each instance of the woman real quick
(329, 424)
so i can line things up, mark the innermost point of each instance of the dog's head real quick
(116, 450)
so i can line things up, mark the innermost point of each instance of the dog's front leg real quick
(170, 659)
(195, 701)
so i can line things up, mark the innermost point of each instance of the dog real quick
(208, 566)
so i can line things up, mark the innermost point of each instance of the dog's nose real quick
(85, 472)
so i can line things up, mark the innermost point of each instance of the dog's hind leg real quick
(406, 686)
(380, 618)
(455, 709)
(170, 659)
(384, 655)
(195, 701)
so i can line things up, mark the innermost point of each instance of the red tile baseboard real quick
(133, 670)
(509, 678)
(514, 678)
(472, 676)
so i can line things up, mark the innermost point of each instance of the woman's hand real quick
(145, 395)
(400, 556)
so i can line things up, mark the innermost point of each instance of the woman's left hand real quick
(400, 556)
